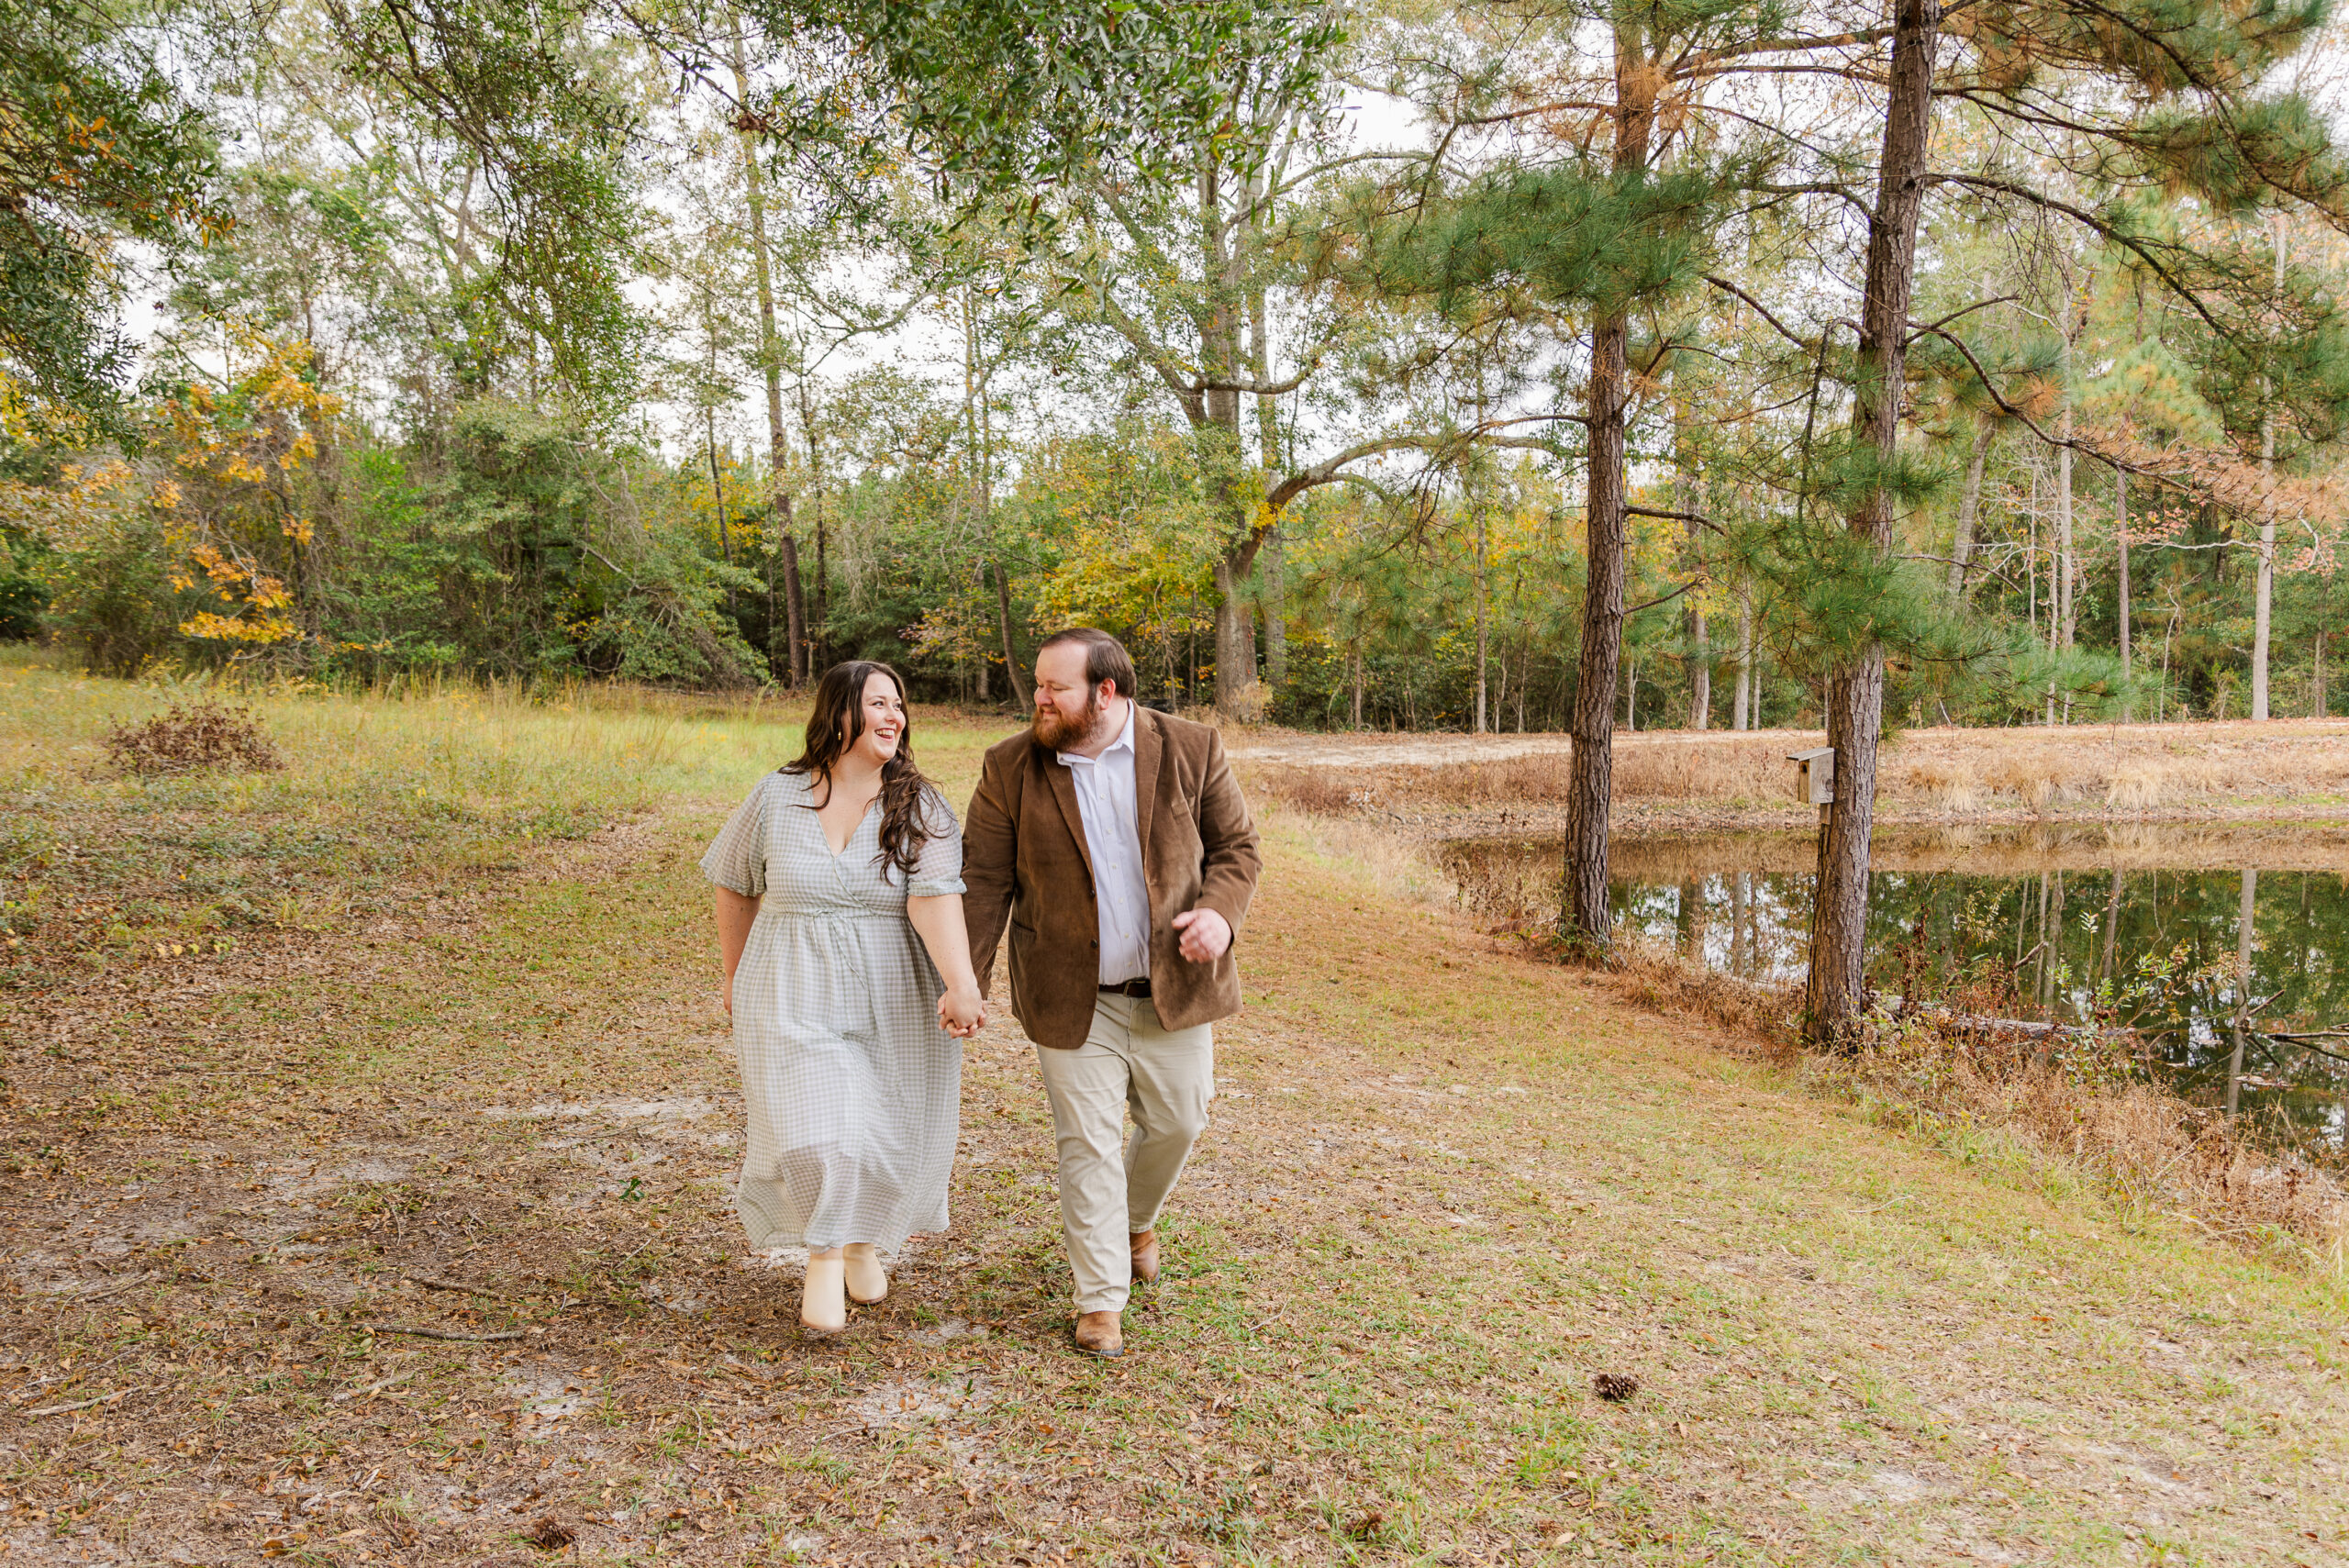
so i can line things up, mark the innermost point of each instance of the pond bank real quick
(1463, 785)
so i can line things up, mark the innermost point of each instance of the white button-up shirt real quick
(1106, 804)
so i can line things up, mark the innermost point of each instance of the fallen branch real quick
(83, 1404)
(445, 1333)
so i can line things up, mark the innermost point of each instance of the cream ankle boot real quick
(867, 1285)
(823, 1310)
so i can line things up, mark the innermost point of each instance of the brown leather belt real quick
(1130, 987)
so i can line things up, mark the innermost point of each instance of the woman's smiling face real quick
(884, 711)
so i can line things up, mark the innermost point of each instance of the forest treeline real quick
(1576, 364)
(383, 433)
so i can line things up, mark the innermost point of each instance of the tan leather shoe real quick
(1099, 1334)
(823, 1308)
(868, 1285)
(1145, 1246)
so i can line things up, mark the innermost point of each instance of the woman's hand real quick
(962, 1012)
(737, 913)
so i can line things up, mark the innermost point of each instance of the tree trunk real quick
(2263, 603)
(1270, 570)
(1700, 672)
(1235, 641)
(1744, 714)
(1969, 503)
(794, 607)
(1218, 426)
(2320, 701)
(2068, 593)
(771, 370)
(1586, 922)
(1019, 677)
(2121, 542)
(1855, 688)
(1272, 590)
(717, 498)
(1482, 627)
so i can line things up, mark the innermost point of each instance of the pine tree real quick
(2177, 108)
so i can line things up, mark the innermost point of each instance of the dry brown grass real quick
(2147, 1146)
(1746, 768)
(1950, 773)
(2080, 1106)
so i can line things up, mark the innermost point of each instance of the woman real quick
(824, 876)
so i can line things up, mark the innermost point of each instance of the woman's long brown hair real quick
(837, 723)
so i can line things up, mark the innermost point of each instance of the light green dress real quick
(853, 1092)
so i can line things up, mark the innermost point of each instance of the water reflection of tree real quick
(2156, 950)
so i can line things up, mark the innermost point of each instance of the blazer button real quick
(1095, 942)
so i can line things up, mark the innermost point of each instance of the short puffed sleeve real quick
(737, 858)
(938, 872)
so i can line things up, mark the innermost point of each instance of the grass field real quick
(418, 1034)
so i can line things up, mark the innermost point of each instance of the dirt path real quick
(1445, 1186)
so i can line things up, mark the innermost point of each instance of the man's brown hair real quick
(1106, 657)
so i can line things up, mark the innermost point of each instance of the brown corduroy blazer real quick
(1025, 863)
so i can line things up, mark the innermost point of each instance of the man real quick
(1116, 843)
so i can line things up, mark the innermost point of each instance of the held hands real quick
(961, 1013)
(1207, 935)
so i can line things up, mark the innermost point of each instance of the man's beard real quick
(1056, 731)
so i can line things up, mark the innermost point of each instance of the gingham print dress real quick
(852, 1089)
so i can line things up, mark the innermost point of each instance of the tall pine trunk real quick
(2121, 542)
(1969, 506)
(2263, 591)
(1700, 652)
(1855, 687)
(770, 365)
(1746, 710)
(1590, 780)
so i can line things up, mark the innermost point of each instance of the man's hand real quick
(1207, 936)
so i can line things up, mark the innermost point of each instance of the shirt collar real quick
(1125, 739)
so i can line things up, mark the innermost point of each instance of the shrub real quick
(190, 739)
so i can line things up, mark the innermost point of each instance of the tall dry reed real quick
(1947, 772)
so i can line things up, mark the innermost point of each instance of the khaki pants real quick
(1109, 1192)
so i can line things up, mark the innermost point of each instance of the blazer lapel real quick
(1064, 789)
(1149, 747)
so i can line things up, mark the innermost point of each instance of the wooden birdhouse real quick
(1815, 775)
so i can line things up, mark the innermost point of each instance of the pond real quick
(2137, 924)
